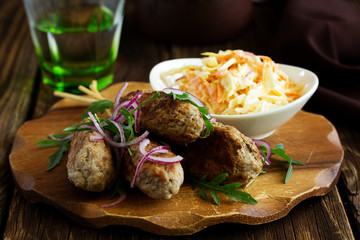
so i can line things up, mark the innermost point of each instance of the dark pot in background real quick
(193, 21)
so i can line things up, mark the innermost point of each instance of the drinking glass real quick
(76, 41)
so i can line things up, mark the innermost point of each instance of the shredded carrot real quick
(239, 77)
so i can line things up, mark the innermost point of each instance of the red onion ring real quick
(178, 91)
(268, 149)
(147, 155)
(86, 126)
(129, 104)
(61, 139)
(118, 96)
(192, 97)
(122, 197)
(112, 142)
(120, 129)
(116, 115)
(159, 149)
(97, 137)
(137, 119)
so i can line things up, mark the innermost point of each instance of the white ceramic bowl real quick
(253, 125)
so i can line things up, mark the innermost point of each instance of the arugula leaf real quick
(110, 126)
(97, 107)
(131, 121)
(74, 128)
(214, 186)
(184, 97)
(127, 124)
(57, 155)
(49, 143)
(288, 173)
(204, 112)
(156, 95)
(61, 135)
(280, 151)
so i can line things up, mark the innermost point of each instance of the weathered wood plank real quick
(350, 175)
(18, 68)
(314, 218)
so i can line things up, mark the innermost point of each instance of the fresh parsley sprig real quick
(214, 186)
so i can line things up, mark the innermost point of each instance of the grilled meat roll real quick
(174, 121)
(157, 180)
(90, 164)
(226, 150)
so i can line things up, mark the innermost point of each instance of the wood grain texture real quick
(302, 223)
(16, 88)
(350, 173)
(315, 218)
(185, 213)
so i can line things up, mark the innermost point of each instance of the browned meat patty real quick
(174, 121)
(90, 164)
(226, 150)
(157, 180)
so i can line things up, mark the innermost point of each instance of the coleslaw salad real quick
(235, 82)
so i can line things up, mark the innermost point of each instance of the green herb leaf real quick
(55, 158)
(130, 119)
(297, 162)
(49, 143)
(97, 107)
(183, 96)
(229, 190)
(110, 126)
(74, 128)
(156, 95)
(288, 173)
(280, 151)
(61, 135)
(204, 112)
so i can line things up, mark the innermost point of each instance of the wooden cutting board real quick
(307, 137)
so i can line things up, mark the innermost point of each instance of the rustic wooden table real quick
(24, 97)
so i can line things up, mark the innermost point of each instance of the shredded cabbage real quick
(236, 82)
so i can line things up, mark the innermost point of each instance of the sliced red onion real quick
(131, 103)
(118, 97)
(112, 142)
(120, 129)
(268, 149)
(134, 99)
(192, 97)
(137, 171)
(118, 116)
(147, 155)
(145, 142)
(86, 126)
(61, 139)
(142, 146)
(165, 160)
(137, 114)
(130, 143)
(122, 197)
(178, 91)
(97, 137)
